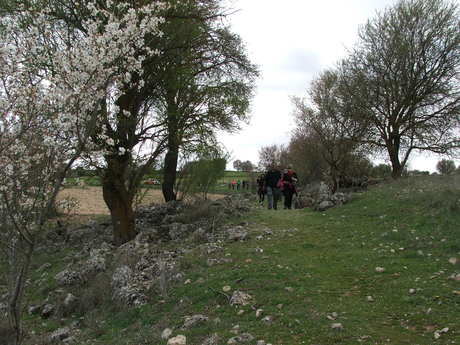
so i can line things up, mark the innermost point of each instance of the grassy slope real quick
(411, 228)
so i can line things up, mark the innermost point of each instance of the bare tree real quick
(273, 155)
(322, 117)
(403, 77)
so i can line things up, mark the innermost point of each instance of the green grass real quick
(409, 227)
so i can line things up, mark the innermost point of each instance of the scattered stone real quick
(68, 277)
(280, 306)
(70, 300)
(240, 312)
(226, 288)
(337, 326)
(96, 262)
(259, 312)
(124, 290)
(44, 267)
(60, 334)
(235, 329)
(47, 311)
(412, 291)
(178, 340)
(261, 342)
(213, 262)
(212, 340)
(34, 309)
(166, 333)
(243, 338)
(453, 261)
(70, 340)
(379, 269)
(455, 276)
(237, 234)
(188, 281)
(332, 316)
(289, 289)
(192, 321)
(438, 333)
(370, 299)
(240, 298)
(268, 319)
(324, 205)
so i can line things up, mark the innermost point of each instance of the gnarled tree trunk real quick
(170, 173)
(119, 199)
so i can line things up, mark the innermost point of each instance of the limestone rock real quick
(124, 290)
(237, 234)
(337, 326)
(191, 321)
(240, 298)
(324, 205)
(68, 277)
(241, 339)
(47, 310)
(166, 333)
(34, 309)
(212, 340)
(60, 334)
(70, 300)
(178, 340)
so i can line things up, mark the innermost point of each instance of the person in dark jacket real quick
(261, 188)
(272, 178)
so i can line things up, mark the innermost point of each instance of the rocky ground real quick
(166, 232)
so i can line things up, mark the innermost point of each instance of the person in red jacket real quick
(289, 180)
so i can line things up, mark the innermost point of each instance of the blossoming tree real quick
(63, 87)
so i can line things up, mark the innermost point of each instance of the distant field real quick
(91, 202)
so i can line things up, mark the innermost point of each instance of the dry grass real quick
(91, 202)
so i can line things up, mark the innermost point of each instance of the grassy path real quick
(379, 270)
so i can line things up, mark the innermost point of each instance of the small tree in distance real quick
(446, 167)
(246, 166)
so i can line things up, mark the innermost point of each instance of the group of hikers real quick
(275, 183)
(234, 184)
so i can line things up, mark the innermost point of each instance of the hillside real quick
(382, 269)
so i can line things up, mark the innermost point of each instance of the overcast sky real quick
(292, 42)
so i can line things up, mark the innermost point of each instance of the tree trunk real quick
(21, 257)
(172, 156)
(119, 200)
(393, 152)
(170, 172)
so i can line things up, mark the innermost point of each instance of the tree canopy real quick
(402, 78)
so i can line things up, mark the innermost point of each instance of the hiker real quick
(272, 177)
(261, 188)
(288, 181)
